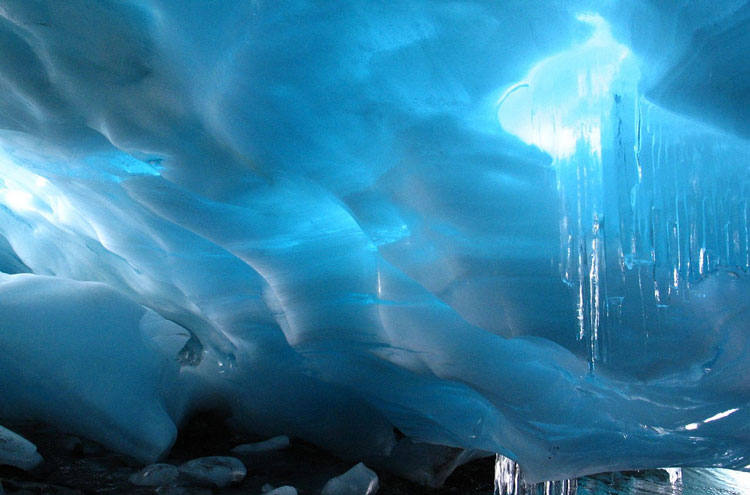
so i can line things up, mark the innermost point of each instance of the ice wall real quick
(514, 227)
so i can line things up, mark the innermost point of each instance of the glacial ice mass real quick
(512, 227)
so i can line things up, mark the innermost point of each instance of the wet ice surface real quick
(17, 451)
(359, 480)
(695, 481)
(531, 239)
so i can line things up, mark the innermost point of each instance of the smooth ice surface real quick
(275, 443)
(53, 343)
(282, 490)
(694, 481)
(359, 480)
(515, 227)
(17, 451)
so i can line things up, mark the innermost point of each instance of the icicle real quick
(509, 481)
(675, 475)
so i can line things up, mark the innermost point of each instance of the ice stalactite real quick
(675, 475)
(361, 209)
(509, 480)
(651, 202)
(564, 107)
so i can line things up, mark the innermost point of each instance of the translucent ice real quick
(514, 227)
(58, 368)
(510, 480)
(359, 480)
(275, 443)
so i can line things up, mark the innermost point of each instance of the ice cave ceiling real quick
(505, 226)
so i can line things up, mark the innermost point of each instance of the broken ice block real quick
(359, 480)
(17, 451)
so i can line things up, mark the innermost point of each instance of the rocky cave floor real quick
(75, 466)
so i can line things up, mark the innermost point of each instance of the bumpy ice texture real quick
(515, 227)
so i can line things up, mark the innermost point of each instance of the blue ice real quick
(507, 227)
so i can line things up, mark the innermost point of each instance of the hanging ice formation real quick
(509, 480)
(514, 227)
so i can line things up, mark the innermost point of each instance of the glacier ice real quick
(17, 451)
(510, 479)
(275, 443)
(359, 480)
(494, 227)
(282, 490)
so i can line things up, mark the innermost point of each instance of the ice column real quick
(565, 106)
(651, 202)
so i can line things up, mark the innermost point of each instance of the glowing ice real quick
(485, 227)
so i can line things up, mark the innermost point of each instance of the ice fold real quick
(517, 228)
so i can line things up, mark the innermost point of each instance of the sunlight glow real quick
(560, 103)
(18, 200)
(720, 415)
(740, 479)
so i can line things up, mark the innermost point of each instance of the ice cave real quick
(412, 234)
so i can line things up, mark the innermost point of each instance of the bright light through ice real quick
(740, 479)
(561, 101)
(23, 191)
(720, 415)
(19, 200)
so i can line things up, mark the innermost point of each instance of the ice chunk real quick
(183, 490)
(282, 490)
(359, 480)
(275, 443)
(108, 389)
(155, 475)
(17, 451)
(215, 471)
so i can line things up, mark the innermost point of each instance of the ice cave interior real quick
(515, 227)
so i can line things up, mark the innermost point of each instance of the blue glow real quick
(284, 209)
(562, 101)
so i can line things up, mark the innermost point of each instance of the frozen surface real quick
(282, 490)
(515, 227)
(17, 451)
(359, 480)
(275, 443)
(217, 471)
